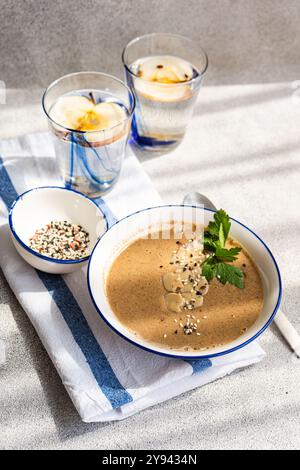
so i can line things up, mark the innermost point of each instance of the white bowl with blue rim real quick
(136, 225)
(37, 207)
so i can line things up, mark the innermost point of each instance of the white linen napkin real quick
(106, 377)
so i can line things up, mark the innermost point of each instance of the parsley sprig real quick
(216, 265)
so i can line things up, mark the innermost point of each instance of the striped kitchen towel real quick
(106, 377)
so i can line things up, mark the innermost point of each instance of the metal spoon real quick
(287, 330)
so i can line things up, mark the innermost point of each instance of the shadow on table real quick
(235, 101)
(276, 165)
(146, 155)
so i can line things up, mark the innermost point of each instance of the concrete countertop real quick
(242, 150)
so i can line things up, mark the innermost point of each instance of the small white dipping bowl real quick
(39, 206)
(134, 226)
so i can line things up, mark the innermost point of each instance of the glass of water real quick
(165, 72)
(89, 115)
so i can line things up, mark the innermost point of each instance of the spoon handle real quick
(283, 324)
(288, 331)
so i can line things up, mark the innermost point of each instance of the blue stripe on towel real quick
(7, 190)
(85, 339)
(199, 365)
(73, 316)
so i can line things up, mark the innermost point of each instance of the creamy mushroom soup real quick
(156, 288)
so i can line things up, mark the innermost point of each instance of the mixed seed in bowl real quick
(61, 240)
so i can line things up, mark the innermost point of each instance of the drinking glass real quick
(89, 161)
(163, 110)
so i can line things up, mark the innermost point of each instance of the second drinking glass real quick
(165, 72)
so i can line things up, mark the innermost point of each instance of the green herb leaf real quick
(209, 244)
(213, 230)
(208, 271)
(221, 218)
(214, 243)
(231, 274)
(227, 255)
(222, 239)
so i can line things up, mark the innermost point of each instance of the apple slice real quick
(165, 69)
(100, 122)
(162, 78)
(69, 110)
(109, 114)
(108, 120)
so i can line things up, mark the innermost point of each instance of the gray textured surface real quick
(242, 150)
(254, 41)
